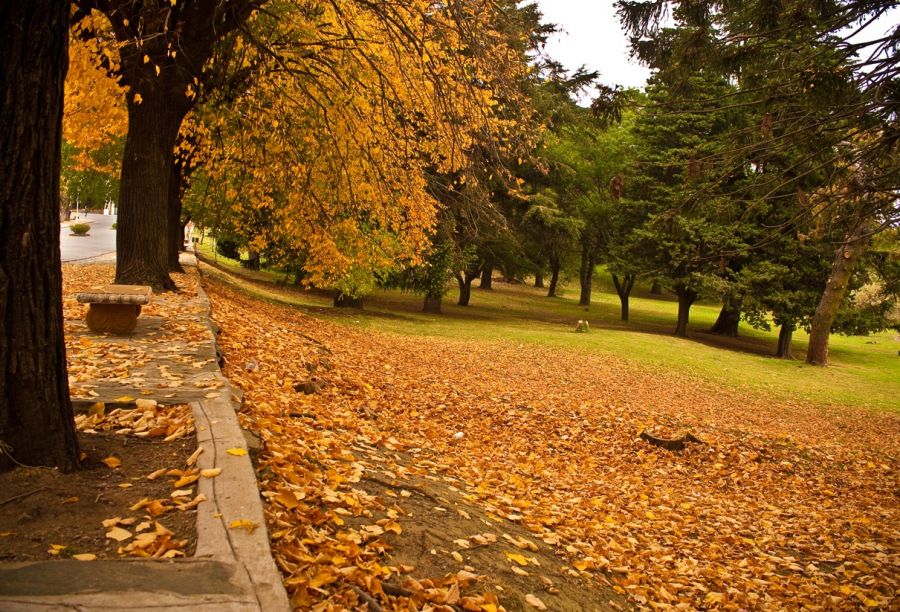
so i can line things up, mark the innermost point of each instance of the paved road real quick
(100, 241)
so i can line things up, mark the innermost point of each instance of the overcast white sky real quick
(591, 36)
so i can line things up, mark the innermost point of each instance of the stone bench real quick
(114, 308)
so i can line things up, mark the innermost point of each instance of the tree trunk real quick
(432, 304)
(554, 277)
(586, 275)
(539, 279)
(729, 317)
(142, 255)
(465, 288)
(656, 288)
(785, 335)
(487, 276)
(342, 300)
(253, 262)
(36, 423)
(176, 229)
(686, 297)
(845, 259)
(623, 288)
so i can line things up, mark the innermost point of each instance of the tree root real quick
(676, 444)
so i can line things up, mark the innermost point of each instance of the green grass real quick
(863, 371)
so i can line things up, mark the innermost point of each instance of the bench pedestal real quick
(119, 319)
(114, 309)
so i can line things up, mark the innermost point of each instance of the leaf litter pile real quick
(781, 505)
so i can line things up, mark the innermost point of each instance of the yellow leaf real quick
(126, 399)
(85, 557)
(535, 603)
(583, 565)
(520, 559)
(70, 500)
(98, 408)
(237, 452)
(287, 499)
(247, 524)
(211, 472)
(186, 480)
(112, 462)
(118, 534)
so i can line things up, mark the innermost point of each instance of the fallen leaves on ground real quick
(785, 505)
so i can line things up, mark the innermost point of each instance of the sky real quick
(591, 36)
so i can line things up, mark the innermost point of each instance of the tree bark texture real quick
(785, 335)
(142, 237)
(845, 259)
(586, 275)
(624, 286)
(686, 297)
(729, 317)
(539, 279)
(656, 288)
(36, 423)
(555, 267)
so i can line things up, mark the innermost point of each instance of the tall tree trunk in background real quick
(432, 304)
(539, 279)
(623, 288)
(845, 259)
(686, 297)
(785, 335)
(142, 238)
(487, 276)
(36, 423)
(656, 288)
(586, 274)
(729, 317)
(176, 229)
(555, 266)
(464, 281)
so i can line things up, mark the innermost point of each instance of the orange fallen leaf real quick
(112, 462)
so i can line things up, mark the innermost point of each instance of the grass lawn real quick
(864, 371)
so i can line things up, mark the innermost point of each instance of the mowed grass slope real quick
(864, 371)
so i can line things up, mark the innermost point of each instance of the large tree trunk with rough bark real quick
(656, 287)
(785, 335)
(539, 279)
(142, 238)
(623, 288)
(555, 267)
(36, 424)
(845, 259)
(729, 317)
(586, 274)
(686, 297)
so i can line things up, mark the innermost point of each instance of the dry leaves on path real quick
(785, 505)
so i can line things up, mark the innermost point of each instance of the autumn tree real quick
(162, 50)
(36, 424)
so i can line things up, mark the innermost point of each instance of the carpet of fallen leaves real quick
(784, 505)
(104, 363)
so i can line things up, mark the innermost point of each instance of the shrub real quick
(114, 226)
(80, 229)
(228, 247)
